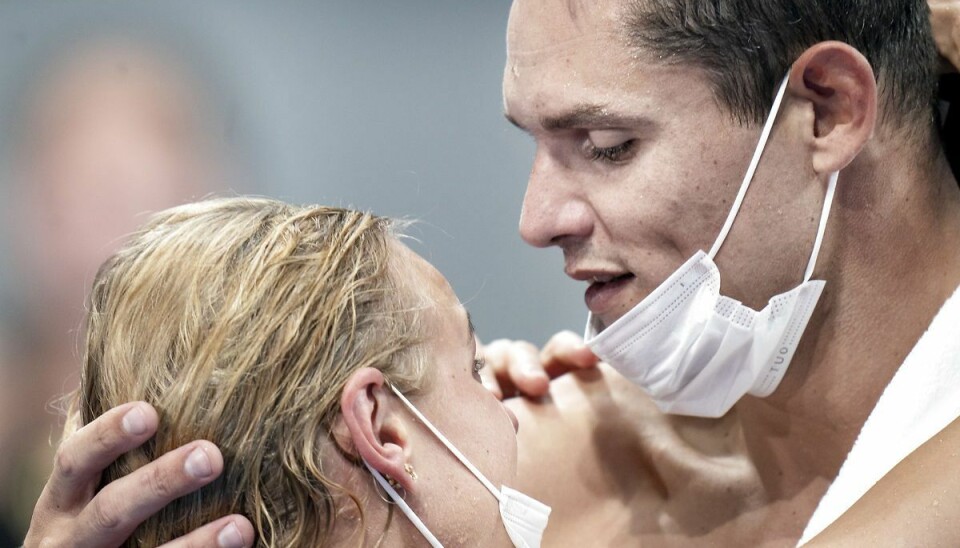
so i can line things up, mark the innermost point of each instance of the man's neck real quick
(891, 263)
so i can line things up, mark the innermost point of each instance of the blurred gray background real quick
(393, 107)
(389, 106)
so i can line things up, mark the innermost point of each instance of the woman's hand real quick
(71, 512)
(945, 19)
(517, 368)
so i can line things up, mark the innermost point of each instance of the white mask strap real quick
(767, 128)
(404, 507)
(831, 189)
(456, 452)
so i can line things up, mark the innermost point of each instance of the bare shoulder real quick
(916, 504)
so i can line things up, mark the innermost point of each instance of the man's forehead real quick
(538, 24)
(566, 73)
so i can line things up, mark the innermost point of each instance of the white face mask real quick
(697, 352)
(523, 517)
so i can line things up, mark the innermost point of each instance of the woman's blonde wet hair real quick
(240, 320)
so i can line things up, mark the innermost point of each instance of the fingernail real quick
(230, 537)
(134, 422)
(198, 464)
(534, 373)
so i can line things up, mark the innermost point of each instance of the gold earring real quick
(408, 468)
(382, 493)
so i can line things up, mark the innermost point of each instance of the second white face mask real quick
(696, 352)
(524, 517)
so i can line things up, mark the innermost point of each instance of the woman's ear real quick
(840, 84)
(371, 426)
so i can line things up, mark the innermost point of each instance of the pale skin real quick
(614, 469)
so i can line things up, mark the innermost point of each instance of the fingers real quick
(123, 504)
(113, 514)
(88, 451)
(517, 368)
(229, 532)
(564, 352)
(945, 23)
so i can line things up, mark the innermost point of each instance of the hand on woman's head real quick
(72, 512)
(271, 330)
(240, 320)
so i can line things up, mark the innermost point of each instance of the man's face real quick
(636, 166)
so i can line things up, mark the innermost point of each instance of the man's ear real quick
(371, 426)
(839, 82)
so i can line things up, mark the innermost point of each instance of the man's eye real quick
(614, 155)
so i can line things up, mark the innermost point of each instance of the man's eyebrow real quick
(585, 116)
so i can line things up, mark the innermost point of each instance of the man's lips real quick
(604, 293)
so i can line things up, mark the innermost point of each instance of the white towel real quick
(921, 400)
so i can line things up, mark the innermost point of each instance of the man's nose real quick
(554, 208)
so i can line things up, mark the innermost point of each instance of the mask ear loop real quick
(824, 214)
(404, 507)
(456, 452)
(754, 162)
(402, 504)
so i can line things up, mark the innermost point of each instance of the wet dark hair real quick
(747, 46)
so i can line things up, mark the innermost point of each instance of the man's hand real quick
(945, 20)
(518, 368)
(71, 513)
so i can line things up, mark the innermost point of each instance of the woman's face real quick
(455, 505)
